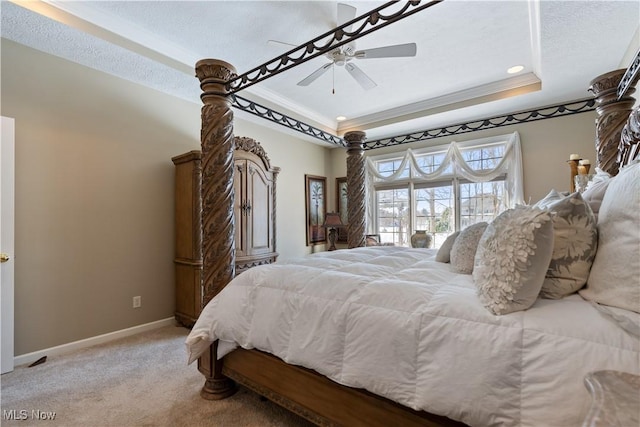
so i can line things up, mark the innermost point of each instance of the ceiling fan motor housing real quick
(342, 54)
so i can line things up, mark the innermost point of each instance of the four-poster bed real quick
(302, 390)
(319, 399)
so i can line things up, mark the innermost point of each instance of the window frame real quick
(414, 182)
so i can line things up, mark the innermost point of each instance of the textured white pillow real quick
(512, 259)
(575, 240)
(444, 253)
(464, 247)
(552, 197)
(595, 193)
(615, 275)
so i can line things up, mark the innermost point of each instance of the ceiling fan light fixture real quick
(515, 69)
(343, 56)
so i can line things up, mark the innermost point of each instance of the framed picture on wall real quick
(341, 207)
(315, 188)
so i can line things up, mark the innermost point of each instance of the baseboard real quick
(88, 342)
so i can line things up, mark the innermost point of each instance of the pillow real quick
(575, 240)
(372, 241)
(595, 191)
(615, 275)
(552, 197)
(512, 259)
(444, 253)
(464, 247)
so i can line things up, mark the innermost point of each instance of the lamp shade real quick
(332, 220)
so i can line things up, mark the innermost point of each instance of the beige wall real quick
(94, 196)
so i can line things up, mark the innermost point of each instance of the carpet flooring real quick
(141, 380)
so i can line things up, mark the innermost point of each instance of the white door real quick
(7, 170)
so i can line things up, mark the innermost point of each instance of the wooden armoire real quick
(255, 215)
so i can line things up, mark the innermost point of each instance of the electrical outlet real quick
(137, 302)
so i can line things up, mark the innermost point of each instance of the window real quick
(393, 216)
(435, 211)
(443, 189)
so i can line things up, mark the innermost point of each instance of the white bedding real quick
(395, 322)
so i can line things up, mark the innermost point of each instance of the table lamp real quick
(332, 221)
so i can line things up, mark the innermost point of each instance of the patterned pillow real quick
(574, 246)
(512, 259)
(444, 253)
(464, 248)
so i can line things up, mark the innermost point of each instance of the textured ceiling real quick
(463, 51)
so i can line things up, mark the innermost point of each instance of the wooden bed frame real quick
(301, 390)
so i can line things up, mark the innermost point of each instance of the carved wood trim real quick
(217, 198)
(252, 146)
(630, 139)
(356, 191)
(269, 259)
(319, 399)
(218, 222)
(288, 404)
(612, 116)
(216, 386)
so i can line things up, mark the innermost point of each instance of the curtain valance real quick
(454, 165)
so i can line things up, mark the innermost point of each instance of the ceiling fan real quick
(343, 56)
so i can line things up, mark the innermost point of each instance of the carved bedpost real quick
(612, 115)
(356, 191)
(630, 141)
(218, 223)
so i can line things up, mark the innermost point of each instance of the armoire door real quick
(240, 191)
(259, 211)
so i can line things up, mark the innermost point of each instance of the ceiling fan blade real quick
(399, 50)
(277, 42)
(345, 14)
(360, 76)
(313, 76)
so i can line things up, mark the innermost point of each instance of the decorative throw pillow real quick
(512, 259)
(615, 275)
(372, 241)
(552, 197)
(595, 191)
(464, 247)
(575, 240)
(444, 253)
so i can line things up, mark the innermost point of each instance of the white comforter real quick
(395, 322)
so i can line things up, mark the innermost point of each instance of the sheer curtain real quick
(453, 166)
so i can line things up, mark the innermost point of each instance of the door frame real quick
(7, 224)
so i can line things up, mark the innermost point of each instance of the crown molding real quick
(517, 85)
(535, 34)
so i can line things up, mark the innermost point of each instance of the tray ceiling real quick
(459, 73)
